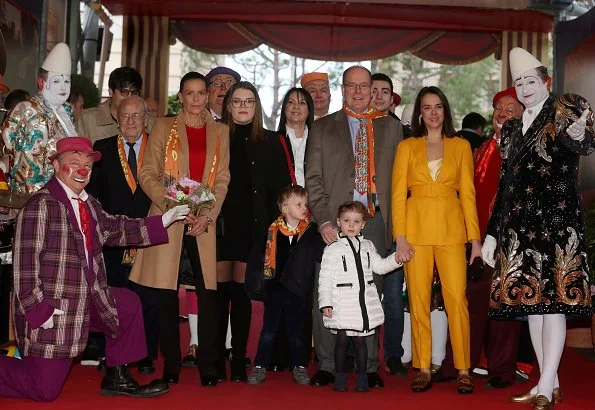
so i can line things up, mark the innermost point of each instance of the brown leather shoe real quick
(557, 395)
(530, 398)
(422, 382)
(542, 403)
(434, 368)
(465, 384)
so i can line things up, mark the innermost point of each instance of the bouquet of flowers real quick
(189, 192)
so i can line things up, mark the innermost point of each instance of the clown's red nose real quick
(83, 172)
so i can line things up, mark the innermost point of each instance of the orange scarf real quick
(369, 116)
(170, 167)
(124, 161)
(270, 255)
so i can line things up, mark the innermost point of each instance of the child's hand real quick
(328, 312)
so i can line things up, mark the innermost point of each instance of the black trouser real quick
(149, 299)
(169, 328)
(278, 302)
(280, 355)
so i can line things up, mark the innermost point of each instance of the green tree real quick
(273, 73)
(173, 105)
(468, 87)
(193, 60)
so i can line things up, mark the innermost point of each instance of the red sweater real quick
(197, 151)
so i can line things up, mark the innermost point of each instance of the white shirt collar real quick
(533, 111)
(530, 114)
(70, 193)
(215, 115)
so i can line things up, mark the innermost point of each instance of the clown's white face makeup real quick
(56, 88)
(530, 88)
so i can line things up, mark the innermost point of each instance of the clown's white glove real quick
(488, 249)
(576, 130)
(50, 322)
(177, 213)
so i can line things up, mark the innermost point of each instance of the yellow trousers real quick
(452, 268)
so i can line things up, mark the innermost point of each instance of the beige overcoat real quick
(158, 266)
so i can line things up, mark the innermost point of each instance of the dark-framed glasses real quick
(238, 102)
(217, 82)
(354, 86)
(127, 92)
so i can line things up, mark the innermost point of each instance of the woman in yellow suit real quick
(434, 215)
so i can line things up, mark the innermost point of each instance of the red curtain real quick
(339, 30)
(336, 43)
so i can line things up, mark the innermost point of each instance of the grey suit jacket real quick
(330, 166)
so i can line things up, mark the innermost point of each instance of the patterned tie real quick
(132, 159)
(85, 223)
(361, 158)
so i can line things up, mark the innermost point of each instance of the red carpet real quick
(81, 391)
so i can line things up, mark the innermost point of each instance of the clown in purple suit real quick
(60, 287)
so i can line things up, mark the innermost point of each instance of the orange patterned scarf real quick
(124, 161)
(270, 255)
(371, 166)
(172, 147)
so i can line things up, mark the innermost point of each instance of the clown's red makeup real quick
(74, 170)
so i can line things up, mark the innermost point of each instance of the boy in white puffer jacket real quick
(347, 295)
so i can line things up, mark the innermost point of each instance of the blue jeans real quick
(393, 313)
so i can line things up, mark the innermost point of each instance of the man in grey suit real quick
(338, 170)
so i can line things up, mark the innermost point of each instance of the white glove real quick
(50, 322)
(177, 213)
(488, 249)
(576, 130)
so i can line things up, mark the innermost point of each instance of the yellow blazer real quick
(434, 213)
(157, 266)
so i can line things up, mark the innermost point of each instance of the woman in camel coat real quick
(189, 145)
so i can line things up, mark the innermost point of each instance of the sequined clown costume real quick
(537, 217)
(30, 134)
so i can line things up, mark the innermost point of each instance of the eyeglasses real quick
(218, 83)
(134, 117)
(508, 110)
(127, 92)
(352, 86)
(248, 102)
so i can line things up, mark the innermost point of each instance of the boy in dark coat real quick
(293, 245)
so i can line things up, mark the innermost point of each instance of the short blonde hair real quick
(288, 191)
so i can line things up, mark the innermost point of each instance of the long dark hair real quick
(257, 133)
(309, 120)
(418, 127)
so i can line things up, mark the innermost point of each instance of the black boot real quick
(119, 382)
(238, 369)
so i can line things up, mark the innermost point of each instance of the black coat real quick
(474, 138)
(297, 274)
(258, 172)
(108, 185)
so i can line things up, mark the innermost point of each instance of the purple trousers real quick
(42, 379)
